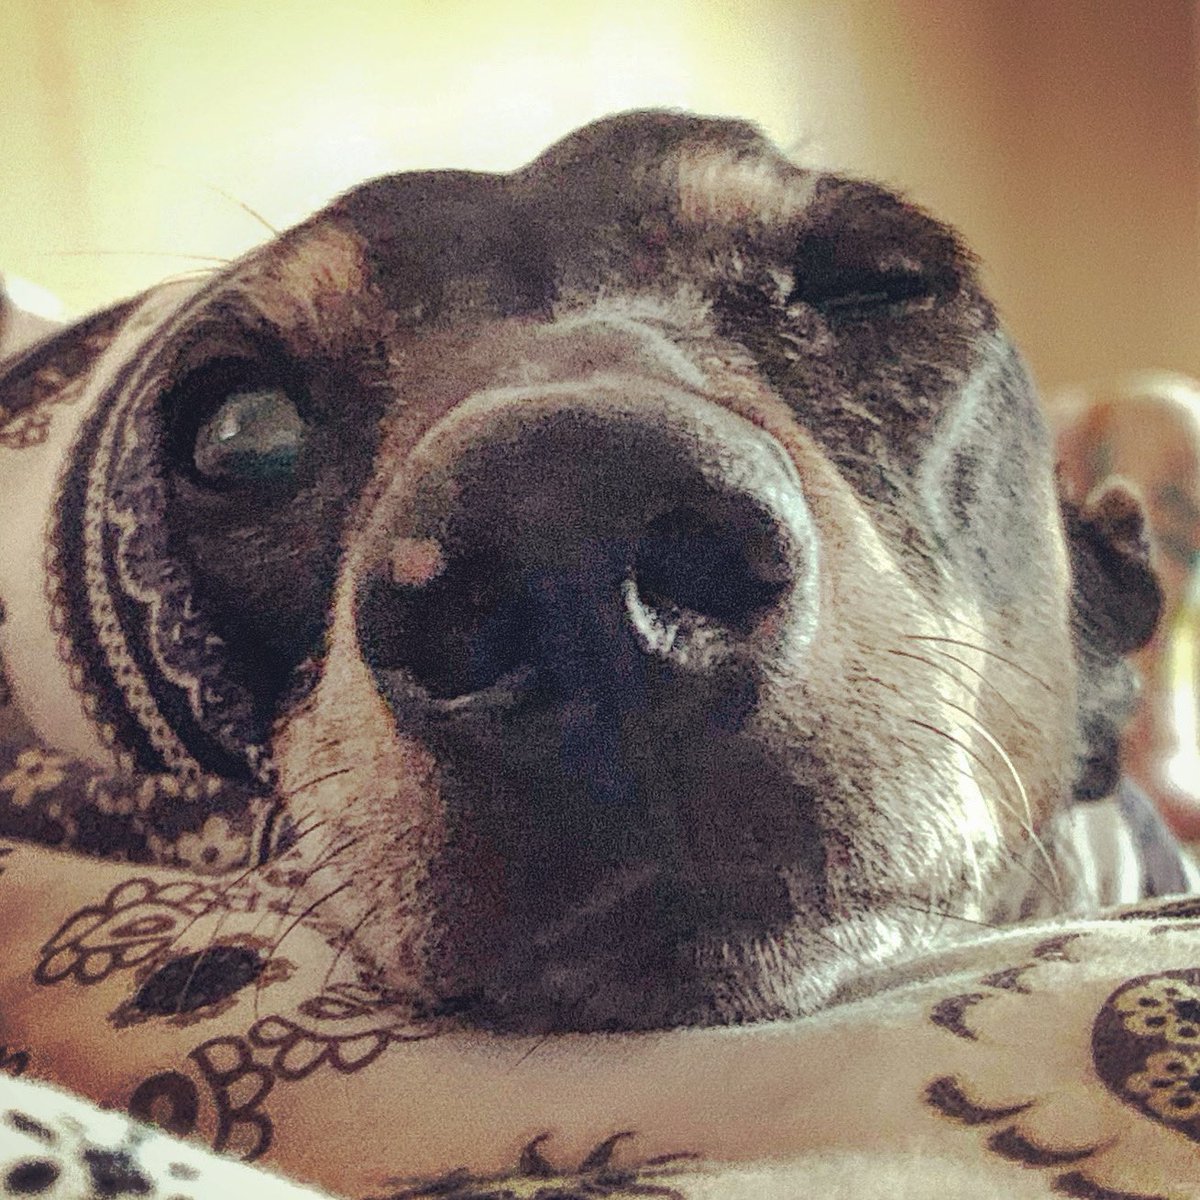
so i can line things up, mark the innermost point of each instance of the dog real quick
(638, 584)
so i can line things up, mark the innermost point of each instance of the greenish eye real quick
(256, 434)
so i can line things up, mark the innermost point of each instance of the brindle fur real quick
(636, 833)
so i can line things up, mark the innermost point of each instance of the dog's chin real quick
(709, 980)
(637, 966)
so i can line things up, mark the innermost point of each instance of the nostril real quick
(725, 569)
(456, 635)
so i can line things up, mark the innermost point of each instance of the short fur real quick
(669, 612)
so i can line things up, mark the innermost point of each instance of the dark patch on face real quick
(875, 341)
(441, 243)
(264, 554)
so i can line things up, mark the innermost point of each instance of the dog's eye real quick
(836, 280)
(861, 290)
(254, 435)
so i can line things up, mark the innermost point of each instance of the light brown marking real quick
(716, 187)
(415, 561)
(304, 286)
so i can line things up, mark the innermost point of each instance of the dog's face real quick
(642, 575)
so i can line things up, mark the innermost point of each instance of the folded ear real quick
(1116, 605)
(1116, 593)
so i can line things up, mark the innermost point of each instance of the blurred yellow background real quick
(1060, 135)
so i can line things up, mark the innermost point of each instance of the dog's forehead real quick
(685, 169)
(603, 207)
(640, 203)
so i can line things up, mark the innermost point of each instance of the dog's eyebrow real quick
(303, 286)
(725, 187)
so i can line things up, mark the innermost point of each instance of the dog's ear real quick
(1116, 603)
(1115, 589)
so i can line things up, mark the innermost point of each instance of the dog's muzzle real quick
(574, 593)
(554, 543)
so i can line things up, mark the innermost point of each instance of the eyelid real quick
(864, 291)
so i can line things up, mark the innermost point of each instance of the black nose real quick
(577, 543)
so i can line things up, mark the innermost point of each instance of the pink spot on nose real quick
(415, 561)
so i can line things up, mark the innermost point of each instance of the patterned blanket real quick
(1045, 1061)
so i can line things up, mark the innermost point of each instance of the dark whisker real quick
(301, 917)
(345, 940)
(281, 908)
(292, 792)
(919, 637)
(945, 914)
(222, 889)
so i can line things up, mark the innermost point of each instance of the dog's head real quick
(641, 576)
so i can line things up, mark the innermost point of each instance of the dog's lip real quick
(645, 911)
(603, 966)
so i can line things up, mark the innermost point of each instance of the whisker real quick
(184, 276)
(968, 843)
(302, 916)
(207, 258)
(946, 914)
(945, 670)
(292, 792)
(323, 860)
(280, 909)
(299, 831)
(1055, 888)
(219, 191)
(222, 887)
(531, 1051)
(982, 635)
(922, 637)
(345, 941)
(1027, 823)
(298, 835)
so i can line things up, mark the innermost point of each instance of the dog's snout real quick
(577, 541)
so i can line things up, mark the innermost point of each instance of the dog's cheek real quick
(869, 709)
(987, 485)
(364, 806)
